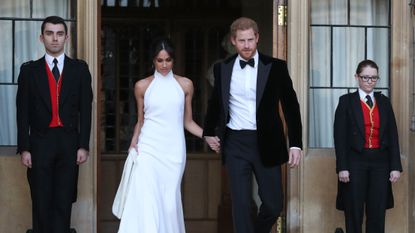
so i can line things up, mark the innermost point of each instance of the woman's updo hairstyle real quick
(162, 44)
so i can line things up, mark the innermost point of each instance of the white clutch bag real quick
(122, 191)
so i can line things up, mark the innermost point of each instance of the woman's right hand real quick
(133, 147)
(344, 176)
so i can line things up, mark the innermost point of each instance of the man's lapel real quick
(226, 74)
(41, 79)
(66, 76)
(262, 77)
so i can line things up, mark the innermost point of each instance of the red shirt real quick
(55, 90)
(371, 123)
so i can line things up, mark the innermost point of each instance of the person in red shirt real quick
(53, 102)
(367, 153)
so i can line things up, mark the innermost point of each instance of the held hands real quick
(81, 156)
(213, 142)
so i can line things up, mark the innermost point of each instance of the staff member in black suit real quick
(367, 153)
(244, 110)
(53, 100)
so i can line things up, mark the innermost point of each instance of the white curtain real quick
(337, 45)
(15, 8)
(26, 47)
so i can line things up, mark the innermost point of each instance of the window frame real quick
(349, 89)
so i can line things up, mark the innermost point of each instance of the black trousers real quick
(367, 190)
(53, 179)
(241, 161)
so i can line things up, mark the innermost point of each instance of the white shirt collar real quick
(363, 95)
(49, 59)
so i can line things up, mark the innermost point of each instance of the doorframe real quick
(297, 60)
(88, 37)
(279, 50)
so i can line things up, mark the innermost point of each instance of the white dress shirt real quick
(242, 99)
(60, 58)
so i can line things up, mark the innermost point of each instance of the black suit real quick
(260, 151)
(369, 168)
(54, 172)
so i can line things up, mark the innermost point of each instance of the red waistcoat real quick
(55, 90)
(371, 123)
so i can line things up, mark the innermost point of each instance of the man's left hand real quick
(82, 156)
(294, 157)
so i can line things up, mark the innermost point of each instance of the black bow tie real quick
(250, 62)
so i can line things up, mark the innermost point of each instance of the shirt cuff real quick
(295, 148)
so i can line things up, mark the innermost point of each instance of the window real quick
(342, 33)
(20, 22)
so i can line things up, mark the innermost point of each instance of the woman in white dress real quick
(152, 202)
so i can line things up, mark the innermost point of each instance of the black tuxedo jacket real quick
(33, 102)
(349, 130)
(274, 86)
(349, 137)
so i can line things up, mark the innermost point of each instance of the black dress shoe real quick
(339, 230)
(73, 230)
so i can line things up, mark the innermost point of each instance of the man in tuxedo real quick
(367, 153)
(53, 102)
(243, 122)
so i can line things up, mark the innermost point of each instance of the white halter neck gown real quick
(153, 203)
